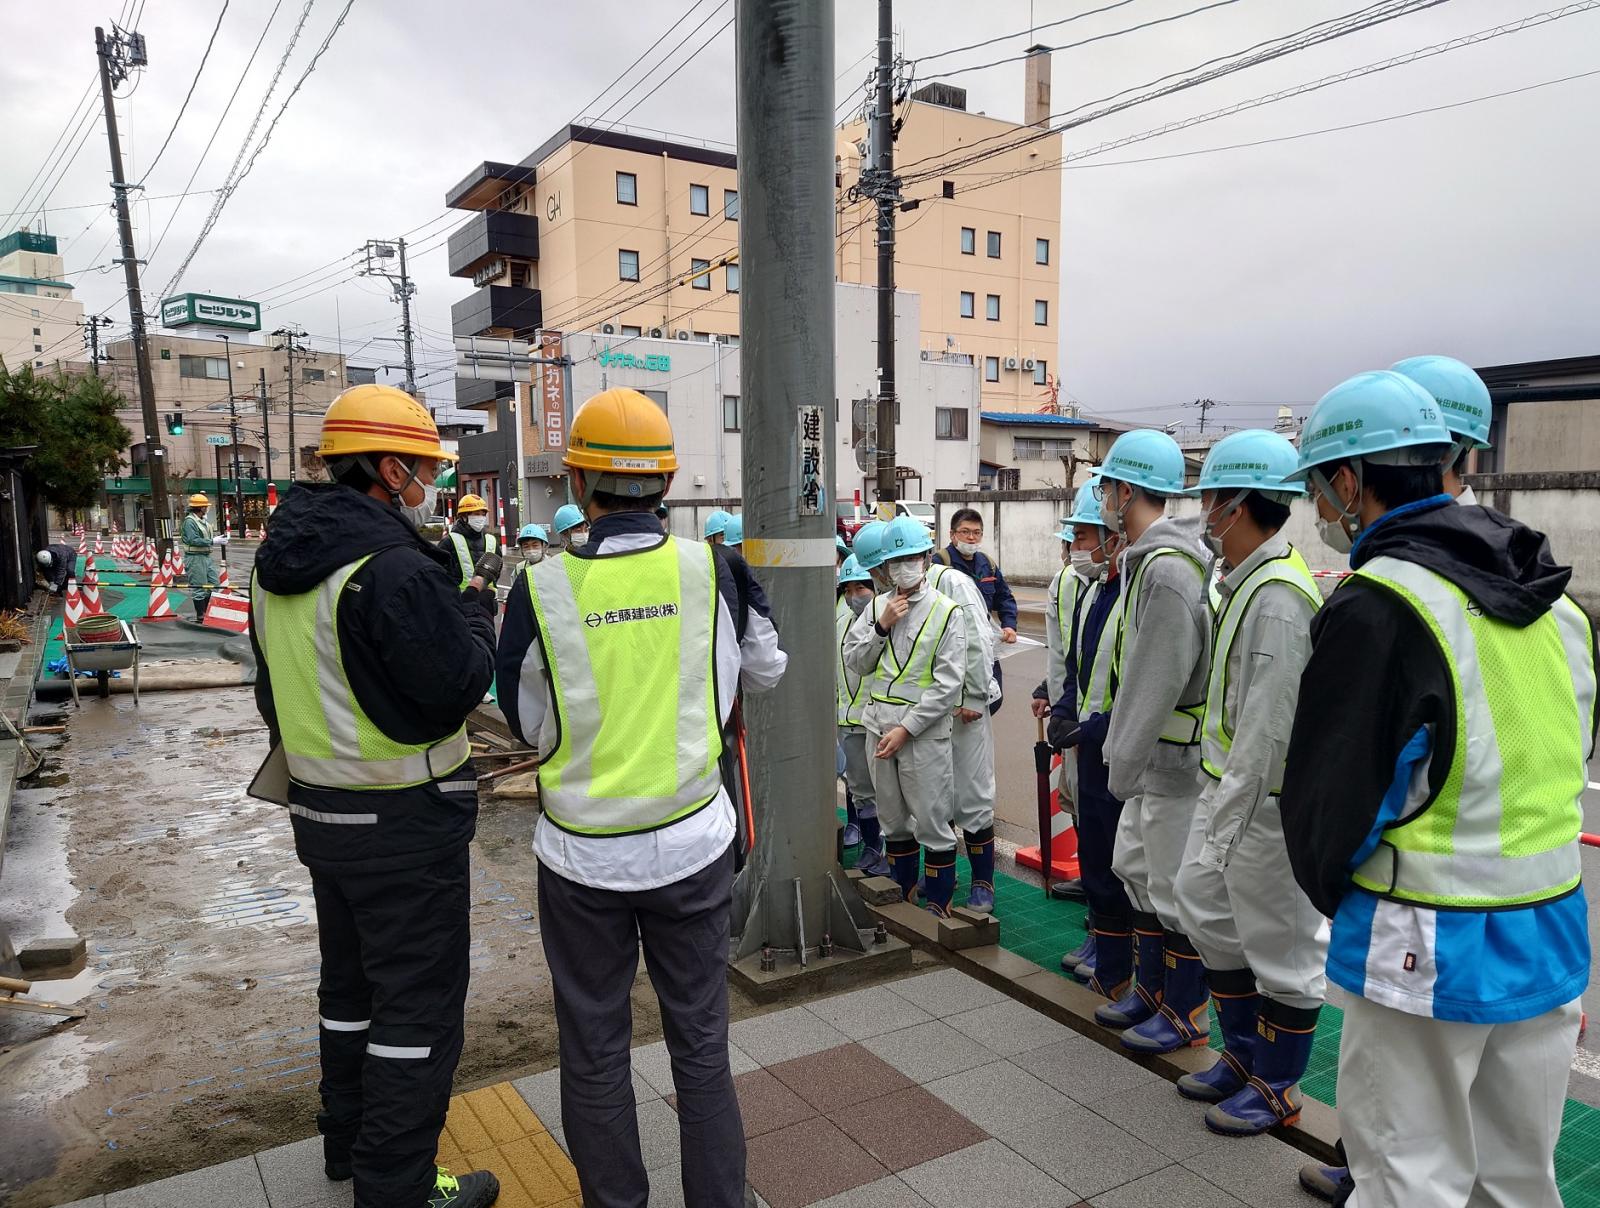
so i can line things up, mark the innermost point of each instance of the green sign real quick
(217, 438)
(661, 363)
(190, 310)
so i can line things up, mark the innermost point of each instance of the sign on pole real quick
(553, 392)
(218, 438)
(813, 472)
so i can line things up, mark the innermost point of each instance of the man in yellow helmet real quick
(469, 537)
(370, 656)
(619, 663)
(197, 540)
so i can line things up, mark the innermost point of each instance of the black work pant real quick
(592, 939)
(394, 978)
(1098, 816)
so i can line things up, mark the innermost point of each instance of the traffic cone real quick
(168, 570)
(177, 560)
(91, 594)
(222, 578)
(160, 606)
(83, 544)
(99, 544)
(74, 606)
(89, 565)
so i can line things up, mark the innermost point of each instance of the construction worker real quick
(369, 658)
(1152, 748)
(571, 526)
(196, 538)
(964, 553)
(913, 644)
(57, 564)
(733, 534)
(532, 541)
(1465, 407)
(851, 693)
(1447, 855)
(1262, 943)
(870, 562)
(469, 538)
(620, 662)
(841, 550)
(716, 526)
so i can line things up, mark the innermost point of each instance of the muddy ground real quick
(200, 984)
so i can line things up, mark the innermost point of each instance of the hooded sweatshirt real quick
(418, 655)
(1370, 745)
(1166, 650)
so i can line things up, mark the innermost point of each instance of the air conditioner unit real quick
(1028, 363)
(926, 355)
(1011, 362)
(656, 333)
(609, 329)
(680, 334)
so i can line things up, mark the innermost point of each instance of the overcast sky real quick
(1251, 276)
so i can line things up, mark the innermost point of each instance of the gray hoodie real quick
(1166, 656)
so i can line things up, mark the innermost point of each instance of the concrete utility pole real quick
(266, 420)
(378, 251)
(233, 434)
(794, 912)
(290, 336)
(117, 54)
(886, 191)
(94, 323)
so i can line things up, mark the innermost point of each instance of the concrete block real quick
(236, 1184)
(967, 930)
(879, 891)
(51, 952)
(996, 965)
(293, 1175)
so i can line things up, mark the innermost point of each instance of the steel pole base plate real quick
(820, 973)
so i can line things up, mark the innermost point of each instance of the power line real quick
(186, 97)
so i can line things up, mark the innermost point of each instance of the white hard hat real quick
(42, 557)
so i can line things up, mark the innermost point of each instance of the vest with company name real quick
(1182, 728)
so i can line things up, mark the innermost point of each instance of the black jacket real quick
(991, 582)
(475, 542)
(1377, 676)
(419, 656)
(63, 565)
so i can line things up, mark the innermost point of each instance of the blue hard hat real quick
(1253, 460)
(1462, 397)
(1146, 458)
(568, 515)
(840, 546)
(534, 532)
(733, 531)
(1086, 508)
(717, 522)
(853, 572)
(904, 536)
(867, 549)
(1066, 534)
(1380, 415)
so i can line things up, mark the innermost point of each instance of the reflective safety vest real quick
(1182, 728)
(491, 545)
(328, 740)
(200, 544)
(1502, 831)
(1217, 733)
(1097, 695)
(903, 683)
(1070, 606)
(850, 689)
(629, 643)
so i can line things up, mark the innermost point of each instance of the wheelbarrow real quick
(103, 657)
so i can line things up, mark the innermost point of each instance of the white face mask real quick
(906, 575)
(1084, 564)
(1230, 516)
(967, 548)
(420, 513)
(533, 553)
(857, 603)
(1109, 512)
(577, 537)
(1334, 536)
(477, 523)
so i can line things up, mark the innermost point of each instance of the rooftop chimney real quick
(1036, 88)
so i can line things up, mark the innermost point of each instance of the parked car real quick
(917, 510)
(846, 521)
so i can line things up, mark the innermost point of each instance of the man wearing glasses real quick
(963, 553)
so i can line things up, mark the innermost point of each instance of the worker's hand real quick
(1062, 733)
(890, 744)
(488, 568)
(894, 611)
(968, 716)
(1041, 707)
(1008, 635)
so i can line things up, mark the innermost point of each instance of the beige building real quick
(1546, 417)
(40, 323)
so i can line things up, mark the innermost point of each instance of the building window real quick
(214, 368)
(702, 273)
(38, 347)
(994, 245)
(991, 369)
(1041, 313)
(35, 312)
(658, 397)
(730, 204)
(699, 199)
(1041, 251)
(950, 423)
(37, 332)
(991, 307)
(627, 189)
(1041, 372)
(730, 412)
(38, 364)
(307, 374)
(732, 282)
(629, 330)
(967, 301)
(627, 266)
(969, 241)
(1032, 448)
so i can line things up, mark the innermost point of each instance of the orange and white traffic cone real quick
(160, 607)
(177, 560)
(222, 578)
(83, 544)
(99, 544)
(74, 605)
(91, 594)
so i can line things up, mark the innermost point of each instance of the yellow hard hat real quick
(379, 419)
(621, 433)
(198, 500)
(471, 503)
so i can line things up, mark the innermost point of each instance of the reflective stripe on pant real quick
(394, 957)
(915, 788)
(1098, 817)
(1453, 1115)
(1252, 914)
(972, 772)
(592, 939)
(1150, 842)
(857, 748)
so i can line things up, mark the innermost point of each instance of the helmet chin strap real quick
(1230, 513)
(1349, 516)
(396, 497)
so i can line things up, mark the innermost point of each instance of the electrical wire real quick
(151, 167)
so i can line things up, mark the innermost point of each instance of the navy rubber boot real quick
(939, 880)
(1234, 992)
(980, 855)
(1140, 1001)
(1083, 952)
(905, 859)
(1112, 970)
(871, 832)
(852, 822)
(1272, 1096)
(1326, 1182)
(1084, 973)
(1183, 1018)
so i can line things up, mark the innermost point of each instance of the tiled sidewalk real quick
(931, 1092)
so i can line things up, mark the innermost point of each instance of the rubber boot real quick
(1183, 1020)
(1326, 1182)
(980, 856)
(1139, 1001)
(871, 859)
(1076, 957)
(1234, 993)
(852, 823)
(1272, 1096)
(1084, 973)
(476, 1190)
(939, 880)
(905, 860)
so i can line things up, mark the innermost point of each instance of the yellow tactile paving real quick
(493, 1129)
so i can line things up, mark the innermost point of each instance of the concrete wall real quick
(1552, 436)
(1563, 506)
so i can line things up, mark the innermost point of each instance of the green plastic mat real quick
(1041, 929)
(129, 603)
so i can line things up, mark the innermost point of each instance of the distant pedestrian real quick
(963, 553)
(197, 539)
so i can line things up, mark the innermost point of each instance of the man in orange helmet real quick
(370, 656)
(619, 663)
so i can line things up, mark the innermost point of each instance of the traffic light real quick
(175, 424)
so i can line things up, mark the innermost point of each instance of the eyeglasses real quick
(969, 534)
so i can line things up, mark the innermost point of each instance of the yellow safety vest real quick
(1098, 694)
(1182, 728)
(903, 683)
(850, 689)
(491, 545)
(629, 643)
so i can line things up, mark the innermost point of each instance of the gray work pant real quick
(591, 940)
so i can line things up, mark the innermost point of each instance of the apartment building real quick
(40, 323)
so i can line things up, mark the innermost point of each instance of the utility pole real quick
(117, 54)
(885, 189)
(1205, 404)
(794, 912)
(289, 335)
(93, 324)
(233, 431)
(377, 252)
(266, 420)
